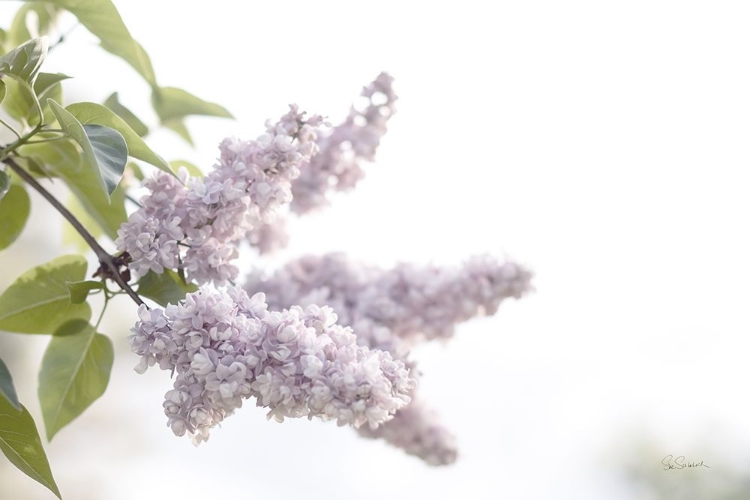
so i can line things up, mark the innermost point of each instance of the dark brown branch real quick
(105, 259)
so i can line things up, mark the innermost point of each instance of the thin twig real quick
(105, 259)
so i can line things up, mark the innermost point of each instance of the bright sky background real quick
(603, 144)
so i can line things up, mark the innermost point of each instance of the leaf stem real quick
(50, 139)
(10, 128)
(105, 259)
(104, 308)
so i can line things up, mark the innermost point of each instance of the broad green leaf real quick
(173, 103)
(92, 113)
(4, 184)
(113, 103)
(7, 389)
(46, 80)
(177, 125)
(192, 169)
(101, 18)
(166, 288)
(79, 290)
(103, 147)
(19, 101)
(65, 159)
(109, 214)
(39, 301)
(43, 16)
(21, 97)
(24, 61)
(75, 372)
(47, 86)
(111, 153)
(2, 90)
(136, 170)
(19, 441)
(31, 166)
(53, 92)
(14, 212)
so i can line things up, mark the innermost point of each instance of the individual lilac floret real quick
(414, 302)
(418, 431)
(197, 223)
(225, 347)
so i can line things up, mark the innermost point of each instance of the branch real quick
(105, 259)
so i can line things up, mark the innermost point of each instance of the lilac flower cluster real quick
(394, 309)
(298, 359)
(414, 302)
(208, 217)
(338, 164)
(225, 346)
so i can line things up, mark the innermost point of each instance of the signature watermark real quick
(670, 462)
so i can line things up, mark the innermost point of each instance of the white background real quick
(603, 144)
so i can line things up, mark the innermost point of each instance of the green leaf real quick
(21, 97)
(45, 15)
(39, 301)
(14, 212)
(166, 288)
(101, 18)
(7, 390)
(136, 170)
(47, 86)
(177, 125)
(111, 153)
(92, 113)
(192, 169)
(21, 104)
(113, 103)
(2, 90)
(79, 290)
(19, 101)
(24, 61)
(170, 103)
(64, 159)
(19, 441)
(75, 372)
(46, 80)
(104, 148)
(53, 92)
(4, 184)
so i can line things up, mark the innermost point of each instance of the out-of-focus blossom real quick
(338, 165)
(414, 302)
(392, 310)
(418, 431)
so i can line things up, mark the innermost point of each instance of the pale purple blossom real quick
(418, 431)
(338, 165)
(197, 223)
(393, 309)
(226, 346)
(414, 302)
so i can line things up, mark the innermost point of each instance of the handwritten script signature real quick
(670, 462)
